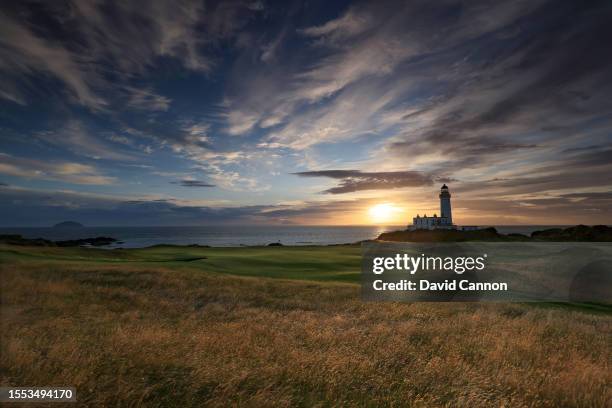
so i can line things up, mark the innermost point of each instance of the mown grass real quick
(324, 263)
(159, 327)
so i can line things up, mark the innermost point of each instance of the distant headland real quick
(578, 233)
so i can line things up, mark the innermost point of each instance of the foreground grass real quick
(163, 327)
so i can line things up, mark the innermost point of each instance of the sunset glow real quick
(384, 213)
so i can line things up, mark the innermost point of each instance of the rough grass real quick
(132, 331)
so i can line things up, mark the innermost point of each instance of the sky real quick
(305, 112)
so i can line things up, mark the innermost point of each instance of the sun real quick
(381, 213)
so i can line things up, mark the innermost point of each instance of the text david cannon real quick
(465, 285)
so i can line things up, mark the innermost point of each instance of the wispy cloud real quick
(192, 183)
(508, 99)
(23, 53)
(74, 173)
(147, 99)
(128, 38)
(76, 137)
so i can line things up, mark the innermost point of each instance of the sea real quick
(231, 236)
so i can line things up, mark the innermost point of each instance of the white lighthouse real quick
(444, 221)
(445, 205)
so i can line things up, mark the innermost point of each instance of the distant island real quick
(578, 233)
(69, 224)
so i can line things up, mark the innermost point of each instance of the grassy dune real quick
(173, 326)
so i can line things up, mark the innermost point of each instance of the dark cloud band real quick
(192, 183)
(355, 180)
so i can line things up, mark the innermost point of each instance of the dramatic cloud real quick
(508, 101)
(90, 37)
(367, 43)
(518, 99)
(354, 180)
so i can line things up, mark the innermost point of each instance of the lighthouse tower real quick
(444, 221)
(445, 205)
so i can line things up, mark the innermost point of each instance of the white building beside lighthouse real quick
(444, 221)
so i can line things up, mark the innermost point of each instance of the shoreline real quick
(578, 233)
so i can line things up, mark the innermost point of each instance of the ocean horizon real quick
(231, 235)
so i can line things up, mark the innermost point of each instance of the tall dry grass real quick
(130, 337)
